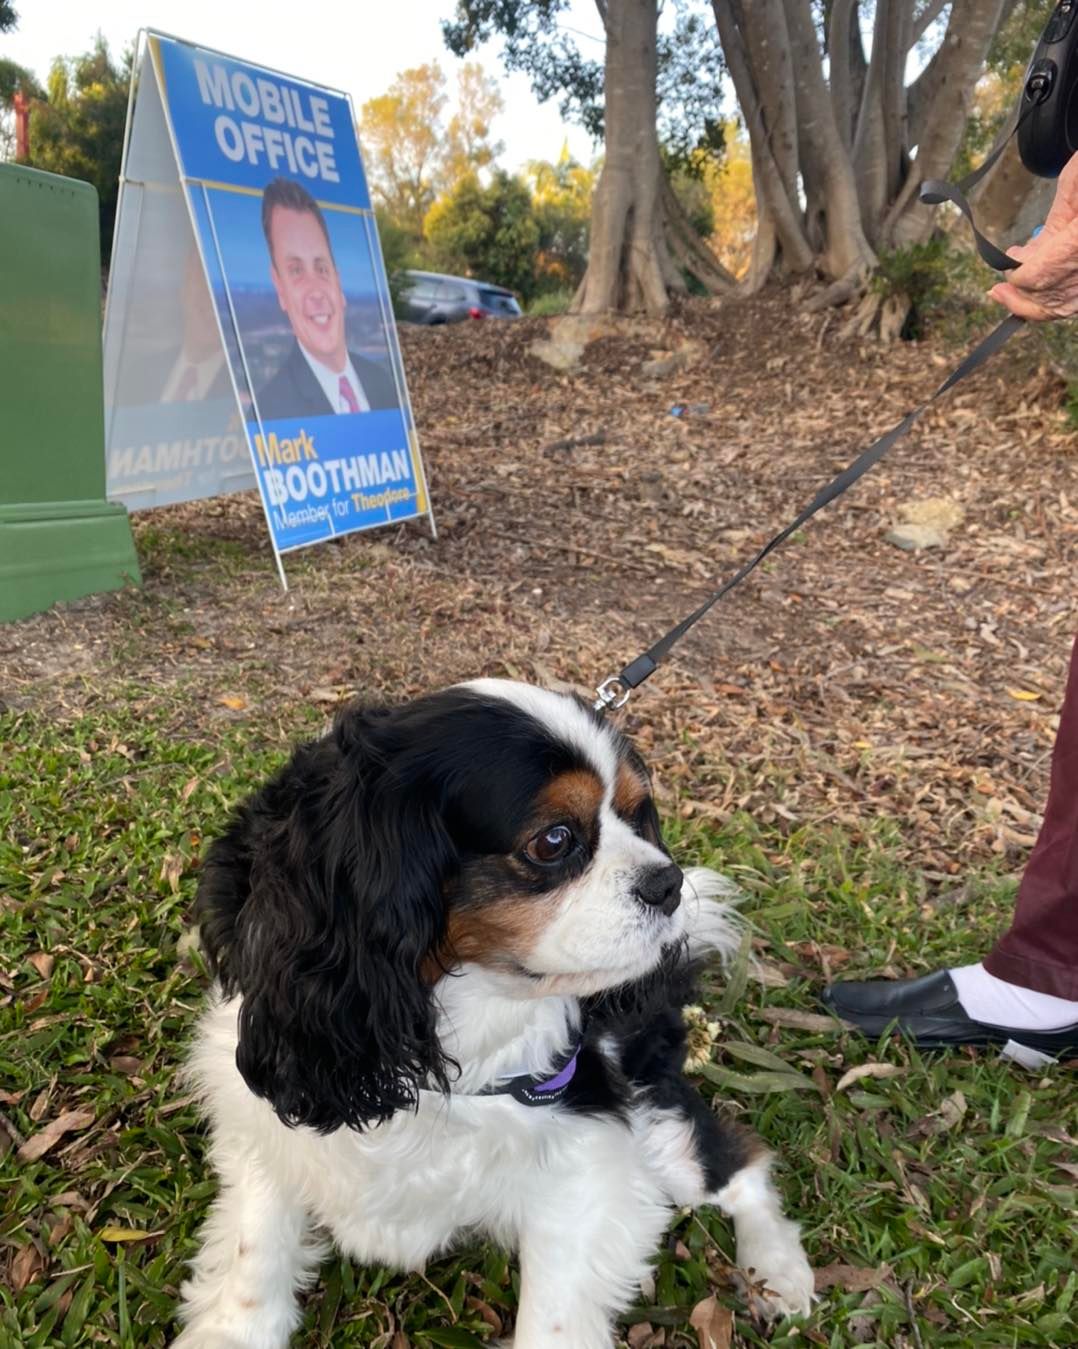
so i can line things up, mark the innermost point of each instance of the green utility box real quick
(59, 537)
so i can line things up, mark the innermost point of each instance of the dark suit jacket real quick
(294, 392)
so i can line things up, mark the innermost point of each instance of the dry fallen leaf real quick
(850, 1278)
(952, 1109)
(26, 1266)
(43, 962)
(713, 1323)
(71, 1121)
(769, 974)
(486, 1311)
(868, 1070)
(862, 1327)
(69, 1199)
(795, 1020)
(233, 701)
(324, 695)
(1023, 695)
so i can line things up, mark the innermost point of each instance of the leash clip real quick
(611, 694)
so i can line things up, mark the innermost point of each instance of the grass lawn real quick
(938, 1197)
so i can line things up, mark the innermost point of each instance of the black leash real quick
(614, 692)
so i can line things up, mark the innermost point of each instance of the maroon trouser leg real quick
(1041, 949)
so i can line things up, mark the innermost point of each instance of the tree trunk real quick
(843, 49)
(1010, 202)
(764, 90)
(628, 265)
(838, 157)
(874, 160)
(834, 216)
(972, 25)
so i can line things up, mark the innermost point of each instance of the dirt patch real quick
(578, 517)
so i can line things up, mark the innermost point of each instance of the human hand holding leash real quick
(1045, 284)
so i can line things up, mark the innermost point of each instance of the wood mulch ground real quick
(577, 519)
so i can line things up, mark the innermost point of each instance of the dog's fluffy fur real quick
(427, 902)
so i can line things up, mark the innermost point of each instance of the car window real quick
(421, 288)
(449, 292)
(499, 301)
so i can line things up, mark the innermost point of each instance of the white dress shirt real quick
(331, 382)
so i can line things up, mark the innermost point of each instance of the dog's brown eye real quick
(551, 845)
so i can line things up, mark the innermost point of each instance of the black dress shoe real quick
(928, 1012)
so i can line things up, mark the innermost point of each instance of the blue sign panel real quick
(243, 125)
(273, 175)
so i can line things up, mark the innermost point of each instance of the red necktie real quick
(348, 394)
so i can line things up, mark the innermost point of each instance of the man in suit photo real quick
(320, 375)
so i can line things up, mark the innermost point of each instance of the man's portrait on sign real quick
(319, 374)
(308, 315)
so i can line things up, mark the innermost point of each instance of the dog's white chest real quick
(402, 1192)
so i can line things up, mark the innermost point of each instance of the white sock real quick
(986, 998)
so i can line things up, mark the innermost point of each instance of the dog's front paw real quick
(780, 1276)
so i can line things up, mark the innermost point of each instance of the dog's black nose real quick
(659, 887)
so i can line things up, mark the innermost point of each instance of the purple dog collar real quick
(531, 1089)
(528, 1091)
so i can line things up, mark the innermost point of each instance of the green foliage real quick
(950, 286)
(79, 130)
(8, 16)
(551, 303)
(14, 77)
(691, 184)
(562, 194)
(398, 251)
(1059, 344)
(490, 232)
(536, 42)
(413, 154)
(998, 90)
(922, 273)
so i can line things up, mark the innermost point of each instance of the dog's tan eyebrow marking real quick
(576, 795)
(630, 790)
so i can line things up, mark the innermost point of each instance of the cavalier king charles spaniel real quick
(451, 953)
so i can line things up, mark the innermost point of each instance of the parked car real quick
(430, 297)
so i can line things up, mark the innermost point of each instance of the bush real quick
(398, 253)
(951, 286)
(923, 274)
(551, 303)
(488, 231)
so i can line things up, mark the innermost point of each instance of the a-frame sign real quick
(249, 334)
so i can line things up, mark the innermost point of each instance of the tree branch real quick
(770, 183)
(924, 21)
(843, 15)
(941, 121)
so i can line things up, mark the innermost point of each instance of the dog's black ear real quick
(323, 906)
